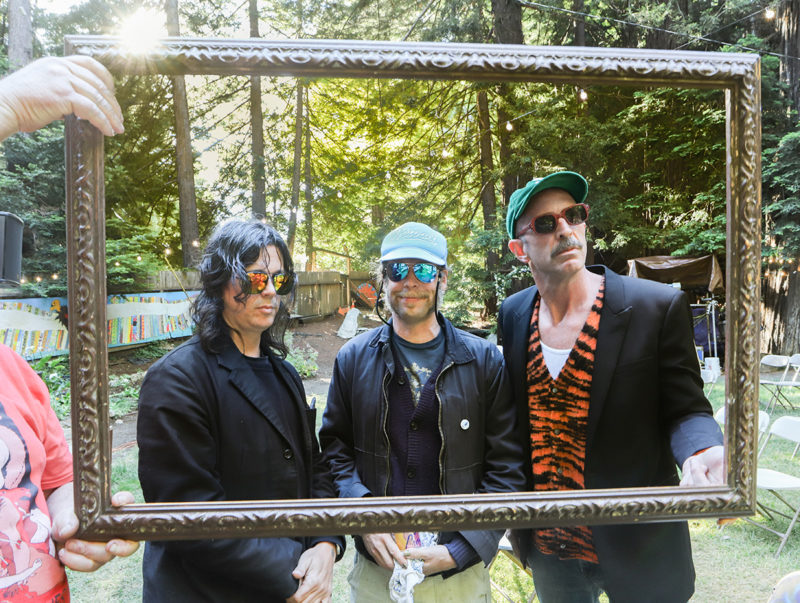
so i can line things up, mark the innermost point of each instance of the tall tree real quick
(257, 127)
(187, 200)
(507, 30)
(488, 197)
(298, 154)
(789, 27)
(20, 33)
(309, 215)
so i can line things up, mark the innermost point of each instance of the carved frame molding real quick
(737, 74)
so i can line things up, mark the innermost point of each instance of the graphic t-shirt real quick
(34, 458)
(420, 360)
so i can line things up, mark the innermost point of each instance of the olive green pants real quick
(369, 583)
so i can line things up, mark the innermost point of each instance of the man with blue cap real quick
(417, 407)
(608, 393)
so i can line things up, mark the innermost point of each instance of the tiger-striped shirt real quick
(558, 415)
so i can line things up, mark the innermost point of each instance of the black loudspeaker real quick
(10, 248)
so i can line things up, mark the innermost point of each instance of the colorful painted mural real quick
(37, 327)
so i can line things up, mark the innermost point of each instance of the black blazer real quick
(208, 431)
(647, 415)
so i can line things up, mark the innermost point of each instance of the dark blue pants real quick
(565, 580)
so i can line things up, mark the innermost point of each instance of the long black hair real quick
(233, 246)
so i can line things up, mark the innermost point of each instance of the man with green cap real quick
(417, 407)
(608, 394)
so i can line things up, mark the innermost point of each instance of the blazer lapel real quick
(244, 379)
(520, 320)
(299, 404)
(614, 319)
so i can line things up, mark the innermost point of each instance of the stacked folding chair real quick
(777, 373)
(778, 483)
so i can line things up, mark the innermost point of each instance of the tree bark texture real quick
(780, 312)
(580, 24)
(257, 128)
(507, 22)
(20, 33)
(488, 197)
(187, 201)
(789, 24)
(298, 155)
(507, 16)
(309, 217)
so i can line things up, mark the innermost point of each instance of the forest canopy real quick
(334, 164)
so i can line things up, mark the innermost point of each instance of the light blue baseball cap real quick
(415, 241)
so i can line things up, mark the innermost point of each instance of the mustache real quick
(564, 244)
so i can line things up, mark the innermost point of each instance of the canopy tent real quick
(689, 272)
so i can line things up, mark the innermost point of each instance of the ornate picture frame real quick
(737, 74)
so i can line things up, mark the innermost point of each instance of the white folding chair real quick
(791, 380)
(773, 371)
(776, 482)
(763, 421)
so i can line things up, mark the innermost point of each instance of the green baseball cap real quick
(573, 183)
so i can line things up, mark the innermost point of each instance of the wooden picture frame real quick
(737, 74)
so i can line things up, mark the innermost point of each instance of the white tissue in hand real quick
(404, 579)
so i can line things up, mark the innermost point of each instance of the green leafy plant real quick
(123, 393)
(302, 358)
(54, 371)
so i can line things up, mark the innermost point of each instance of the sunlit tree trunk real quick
(789, 25)
(309, 217)
(20, 33)
(183, 138)
(257, 127)
(298, 154)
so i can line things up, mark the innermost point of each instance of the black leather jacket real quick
(476, 421)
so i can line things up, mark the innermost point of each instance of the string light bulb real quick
(167, 251)
(54, 276)
(509, 126)
(138, 258)
(339, 194)
(195, 243)
(769, 13)
(38, 279)
(583, 95)
(23, 280)
(117, 264)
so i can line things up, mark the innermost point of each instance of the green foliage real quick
(302, 357)
(151, 351)
(54, 371)
(123, 393)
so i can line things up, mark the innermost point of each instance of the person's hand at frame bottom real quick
(384, 550)
(435, 559)
(315, 572)
(82, 555)
(705, 468)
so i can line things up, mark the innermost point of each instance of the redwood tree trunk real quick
(789, 24)
(187, 201)
(507, 16)
(488, 197)
(780, 312)
(257, 128)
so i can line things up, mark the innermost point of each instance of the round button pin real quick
(465, 424)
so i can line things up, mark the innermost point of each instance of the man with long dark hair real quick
(224, 417)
